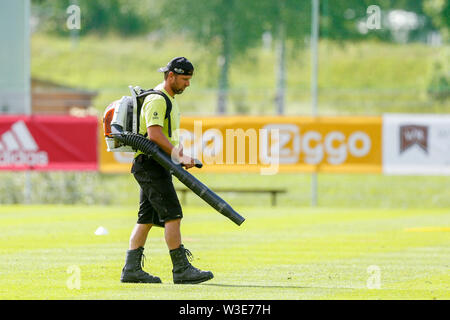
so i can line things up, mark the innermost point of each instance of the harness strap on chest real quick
(144, 94)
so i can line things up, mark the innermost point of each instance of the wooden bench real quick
(274, 192)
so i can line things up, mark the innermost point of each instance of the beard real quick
(177, 90)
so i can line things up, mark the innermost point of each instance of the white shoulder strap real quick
(135, 107)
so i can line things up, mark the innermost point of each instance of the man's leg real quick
(139, 236)
(132, 271)
(172, 234)
(183, 271)
(147, 217)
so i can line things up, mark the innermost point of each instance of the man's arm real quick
(156, 135)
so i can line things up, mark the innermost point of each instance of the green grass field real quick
(400, 225)
(278, 253)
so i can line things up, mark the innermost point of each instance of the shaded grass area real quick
(334, 190)
(285, 253)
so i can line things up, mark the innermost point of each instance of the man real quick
(159, 205)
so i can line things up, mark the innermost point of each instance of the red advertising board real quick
(46, 143)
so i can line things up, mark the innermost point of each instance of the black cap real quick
(179, 65)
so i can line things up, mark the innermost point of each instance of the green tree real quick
(285, 20)
(340, 18)
(439, 83)
(99, 16)
(226, 27)
(439, 12)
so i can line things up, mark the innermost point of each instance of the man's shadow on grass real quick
(266, 286)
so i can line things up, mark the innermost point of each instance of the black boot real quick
(184, 272)
(132, 271)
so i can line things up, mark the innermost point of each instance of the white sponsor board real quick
(416, 144)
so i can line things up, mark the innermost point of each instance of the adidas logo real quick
(18, 148)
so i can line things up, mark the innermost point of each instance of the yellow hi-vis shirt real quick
(153, 112)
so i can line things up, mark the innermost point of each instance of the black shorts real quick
(158, 199)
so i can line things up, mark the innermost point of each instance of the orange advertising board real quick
(268, 144)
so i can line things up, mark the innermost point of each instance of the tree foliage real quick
(228, 28)
(240, 21)
(439, 12)
(339, 19)
(99, 16)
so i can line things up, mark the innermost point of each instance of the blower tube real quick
(139, 142)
